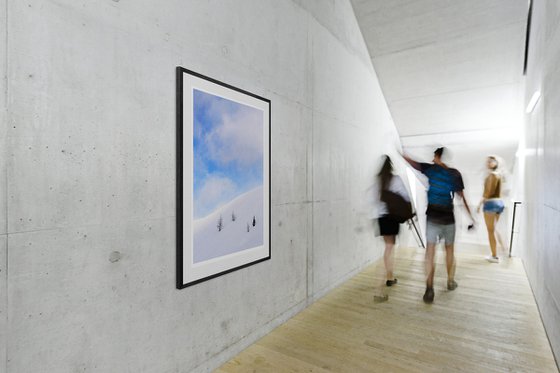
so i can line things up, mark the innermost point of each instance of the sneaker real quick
(493, 259)
(452, 285)
(391, 282)
(429, 295)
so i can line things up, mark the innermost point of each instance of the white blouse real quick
(379, 207)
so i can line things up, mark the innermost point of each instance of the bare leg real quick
(429, 264)
(388, 260)
(430, 270)
(450, 261)
(388, 256)
(498, 235)
(490, 219)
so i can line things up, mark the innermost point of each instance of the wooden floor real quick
(490, 323)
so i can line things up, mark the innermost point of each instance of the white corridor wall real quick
(539, 165)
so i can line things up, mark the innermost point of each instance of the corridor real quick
(190, 186)
(490, 323)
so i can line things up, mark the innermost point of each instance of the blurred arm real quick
(412, 162)
(462, 195)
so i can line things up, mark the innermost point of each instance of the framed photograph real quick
(223, 178)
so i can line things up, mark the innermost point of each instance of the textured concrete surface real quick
(3, 302)
(450, 71)
(540, 159)
(3, 195)
(3, 116)
(91, 187)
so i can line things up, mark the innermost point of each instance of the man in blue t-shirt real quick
(444, 182)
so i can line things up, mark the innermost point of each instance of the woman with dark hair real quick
(492, 205)
(388, 226)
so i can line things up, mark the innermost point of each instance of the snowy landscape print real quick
(235, 227)
(227, 176)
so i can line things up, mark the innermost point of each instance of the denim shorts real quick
(493, 205)
(436, 232)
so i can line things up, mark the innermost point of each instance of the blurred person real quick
(492, 205)
(389, 191)
(444, 183)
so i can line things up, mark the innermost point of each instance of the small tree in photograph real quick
(233, 217)
(220, 224)
(254, 221)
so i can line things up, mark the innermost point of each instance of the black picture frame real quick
(209, 111)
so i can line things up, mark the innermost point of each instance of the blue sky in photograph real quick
(227, 149)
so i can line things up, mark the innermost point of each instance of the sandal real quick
(452, 285)
(429, 295)
(391, 282)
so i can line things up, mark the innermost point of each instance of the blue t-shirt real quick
(444, 182)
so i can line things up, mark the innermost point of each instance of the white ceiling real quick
(451, 72)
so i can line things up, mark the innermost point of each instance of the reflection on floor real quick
(490, 323)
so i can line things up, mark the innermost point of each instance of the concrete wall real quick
(90, 136)
(3, 195)
(541, 166)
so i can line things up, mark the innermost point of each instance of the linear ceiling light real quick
(533, 102)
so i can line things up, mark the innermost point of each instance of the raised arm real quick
(412, 162)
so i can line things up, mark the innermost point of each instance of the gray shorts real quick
(436, 232)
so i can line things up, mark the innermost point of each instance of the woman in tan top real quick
(493, 205)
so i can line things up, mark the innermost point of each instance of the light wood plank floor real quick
(490, 323)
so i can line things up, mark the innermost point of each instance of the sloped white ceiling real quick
(451, 72)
